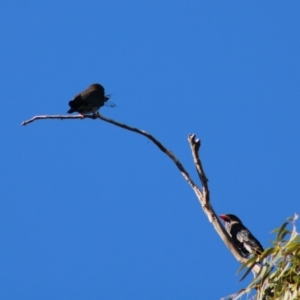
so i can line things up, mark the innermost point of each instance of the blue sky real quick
(91, 211)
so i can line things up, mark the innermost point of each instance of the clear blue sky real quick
(91, 211)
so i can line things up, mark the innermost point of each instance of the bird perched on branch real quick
(90, 100)
(243, 238)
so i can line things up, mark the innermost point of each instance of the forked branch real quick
(203, 194)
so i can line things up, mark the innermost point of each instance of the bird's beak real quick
(224, 218)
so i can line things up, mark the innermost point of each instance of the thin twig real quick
(60, 117)
(195, 144)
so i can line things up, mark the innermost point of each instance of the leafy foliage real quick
(279, 267)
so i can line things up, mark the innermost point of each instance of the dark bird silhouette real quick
(90, 100)
(243, 238)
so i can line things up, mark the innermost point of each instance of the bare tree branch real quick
(202, 195)
(182, 170)
(60, 117)
(195, 145)
(205, 201)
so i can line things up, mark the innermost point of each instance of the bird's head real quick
(96, 86)
(230, 218)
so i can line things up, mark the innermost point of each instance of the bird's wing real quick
(250, 242)
(77, 101)
(90, 94)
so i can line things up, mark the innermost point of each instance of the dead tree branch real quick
(182, 170)
(202, 195)
(205, 202)
(60, 117)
